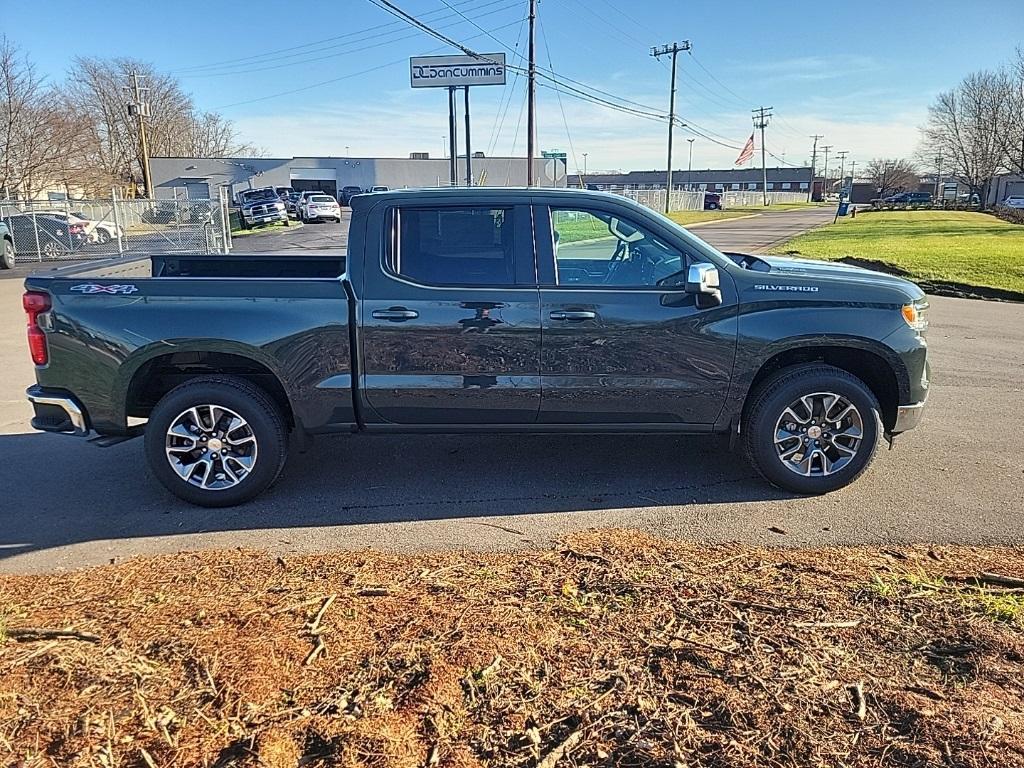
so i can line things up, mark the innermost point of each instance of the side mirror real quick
(702, 281)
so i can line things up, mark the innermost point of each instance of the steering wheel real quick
(616, 261)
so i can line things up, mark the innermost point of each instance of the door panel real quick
(637, 360)
(617, 347)
(435, 354)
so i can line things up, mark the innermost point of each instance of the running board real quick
(108, 441)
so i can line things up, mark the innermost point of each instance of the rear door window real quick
(463, 246)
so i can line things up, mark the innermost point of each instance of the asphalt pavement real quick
(958, 478)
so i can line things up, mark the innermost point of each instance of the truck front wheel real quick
(216, 441)
(812, 429)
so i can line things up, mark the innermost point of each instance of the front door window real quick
(597, 249)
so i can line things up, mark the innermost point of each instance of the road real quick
(958, 478)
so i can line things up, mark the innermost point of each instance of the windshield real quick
(260, 194)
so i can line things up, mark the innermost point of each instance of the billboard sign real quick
(457, 71)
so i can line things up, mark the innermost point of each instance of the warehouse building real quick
(203, 177)
(787, 179)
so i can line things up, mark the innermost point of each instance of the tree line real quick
(974, 132)
(78, 134)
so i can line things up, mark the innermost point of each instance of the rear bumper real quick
(57, 412)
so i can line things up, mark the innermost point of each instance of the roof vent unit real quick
(419, 155)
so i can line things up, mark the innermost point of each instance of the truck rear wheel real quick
(812, 429)
(6, 254)
(216, 441)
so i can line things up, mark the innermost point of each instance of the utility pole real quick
(761, 115)
(853, 172)
(824, 172)
(469, 149)
(938, 176)
(814, 157)
(453, 141)
(842, 171)
(585, 163)
(689, 167)
(139, 107)
(531, 96)
(665, 50)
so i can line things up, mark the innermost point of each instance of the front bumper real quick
(57, 412)
(908, 417)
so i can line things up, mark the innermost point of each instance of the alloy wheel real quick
(818, 434)
(211, 447)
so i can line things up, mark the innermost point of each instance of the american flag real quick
(747, 152)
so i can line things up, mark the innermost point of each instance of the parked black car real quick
(712, 201)
(347, 193)
(479, 310)
(909, 199)
(55, 237)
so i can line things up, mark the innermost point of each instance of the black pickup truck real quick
(478, 310)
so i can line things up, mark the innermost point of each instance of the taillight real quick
(76, 229)
(35, 304)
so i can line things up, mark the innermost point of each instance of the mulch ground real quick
(613, 649)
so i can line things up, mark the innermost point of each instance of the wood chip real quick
(31, 634)
(551, 758)
(860, 705)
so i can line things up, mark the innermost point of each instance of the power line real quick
(362, 34)
(312, 86)
(565, 121)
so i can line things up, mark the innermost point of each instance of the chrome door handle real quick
(395, 315)
(573, 315)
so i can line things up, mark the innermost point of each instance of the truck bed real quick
(236, 265)
(271, 317)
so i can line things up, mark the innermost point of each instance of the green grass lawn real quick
(264, 228)
(956, 246)
(589, 228)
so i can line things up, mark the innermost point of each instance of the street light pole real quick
(689, 166)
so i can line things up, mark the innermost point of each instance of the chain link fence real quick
(756, 199)
(99, 229)
(655, 199)
(683, 200)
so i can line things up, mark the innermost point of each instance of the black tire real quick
(250, 403)
(787, 386)
(6, 254)
(102, 236)
(712, 206)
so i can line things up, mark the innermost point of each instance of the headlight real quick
(916, 315)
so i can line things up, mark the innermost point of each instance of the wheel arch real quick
(879, 368)
(157, 373)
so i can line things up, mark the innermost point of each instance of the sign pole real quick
(453, 140)
(469, 150)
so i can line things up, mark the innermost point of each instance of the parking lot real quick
(958, 478)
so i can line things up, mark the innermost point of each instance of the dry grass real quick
(613, 650)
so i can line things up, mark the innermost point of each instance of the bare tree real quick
(964, 126)
(36, 137)
(891, 175)
(1011, 127)
(98, 90)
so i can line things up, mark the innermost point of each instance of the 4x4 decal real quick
(91, 288)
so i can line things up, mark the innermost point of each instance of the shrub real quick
(1012, 215)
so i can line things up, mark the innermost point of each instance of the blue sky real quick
(861, 74)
